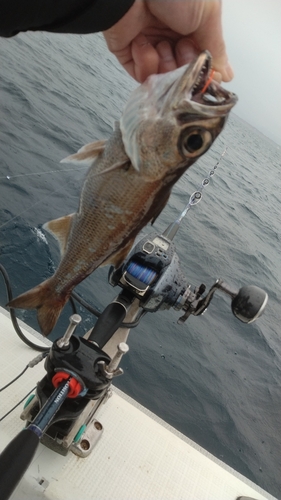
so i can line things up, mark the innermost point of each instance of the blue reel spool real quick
(142, 273)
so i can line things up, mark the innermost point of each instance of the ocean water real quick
(215, 379)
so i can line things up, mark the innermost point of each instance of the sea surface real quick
(214, 378)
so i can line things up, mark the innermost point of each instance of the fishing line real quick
(29, 208)
(71, 170)
(9, 177)
(197, 195)
(208, 81)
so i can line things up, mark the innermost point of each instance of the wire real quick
(74, 296)
(31, 364)
(14, 318)
(85, 304)
(16, 378)
(10, 411)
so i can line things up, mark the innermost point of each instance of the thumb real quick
(209, 36)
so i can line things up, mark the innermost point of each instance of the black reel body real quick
(152, 273)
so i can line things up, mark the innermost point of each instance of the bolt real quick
(122, 349)
(74, 320)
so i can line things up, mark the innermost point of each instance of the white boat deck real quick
(139, 457)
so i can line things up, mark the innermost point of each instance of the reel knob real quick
(249, 303)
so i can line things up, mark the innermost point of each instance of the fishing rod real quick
(80, 370)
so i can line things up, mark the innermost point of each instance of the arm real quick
(146, 36)
(60, 16)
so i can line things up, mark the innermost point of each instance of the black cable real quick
(23, 337)
(10, 411)
(74, 310)
(16, 378)
(74, 296)
(14, 318)
(85, 304)
(31, 364)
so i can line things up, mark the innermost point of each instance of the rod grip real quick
(15, 459)
(108, 322)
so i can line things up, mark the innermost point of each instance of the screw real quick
(74, 321)
(122, 349)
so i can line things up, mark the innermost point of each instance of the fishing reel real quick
(152, 273)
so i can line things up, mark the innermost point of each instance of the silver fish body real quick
(167, 124)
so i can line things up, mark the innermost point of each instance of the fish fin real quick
(118, 258)
(47, 303)
(87, 154)
(160, 206)
(115, 166)
(97, 146)
(60, 229)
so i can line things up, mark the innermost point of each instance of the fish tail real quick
(48, 304)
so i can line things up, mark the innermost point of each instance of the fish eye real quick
(194, 142)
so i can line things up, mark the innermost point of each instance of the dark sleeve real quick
(60, 16)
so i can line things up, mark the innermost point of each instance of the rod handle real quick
(15, 459)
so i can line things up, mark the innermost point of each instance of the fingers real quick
(171, 58)
(162, 58)
(145, 58)
(167, 61)
(186, 51)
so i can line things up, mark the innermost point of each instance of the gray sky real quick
(252, 31)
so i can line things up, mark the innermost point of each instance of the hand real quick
(156, 36)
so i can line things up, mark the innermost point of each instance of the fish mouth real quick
(205, 90)
(193, 87)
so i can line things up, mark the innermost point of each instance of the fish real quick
(169, 122)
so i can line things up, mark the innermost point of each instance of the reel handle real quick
(249, 303)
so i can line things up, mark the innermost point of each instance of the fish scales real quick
(104, 208)
(167, 124)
